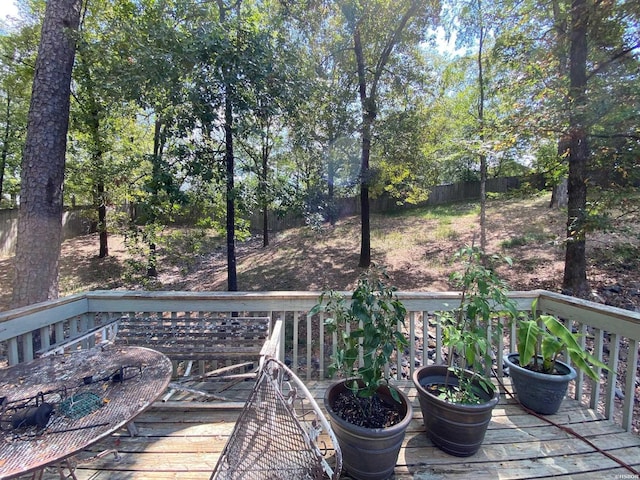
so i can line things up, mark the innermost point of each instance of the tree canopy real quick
(214, 111)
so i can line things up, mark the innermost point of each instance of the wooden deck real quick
(183, 439)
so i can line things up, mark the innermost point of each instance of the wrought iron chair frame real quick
(259, 448)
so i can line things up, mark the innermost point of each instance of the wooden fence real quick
(438, 195)
(79, 220)
(75, 221)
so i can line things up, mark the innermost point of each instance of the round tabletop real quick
(88, 394)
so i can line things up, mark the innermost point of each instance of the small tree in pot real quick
(366, 412)
(457, 399)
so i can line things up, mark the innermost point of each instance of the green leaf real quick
(528, 332)
(395, 395)
(583, 365)
(560, 330)
(551, 347)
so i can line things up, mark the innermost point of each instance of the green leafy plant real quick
(367, 324)
(542, 339)
(466, 328)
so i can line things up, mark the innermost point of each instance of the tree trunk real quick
(159, 141)
(232, 277)
(264, 182)
(368, 115)
(483, 156)
(229, 160)
(100, 201)
(43, 162)
(265, 219)
(102, 221)
(559, 195)
(365, 214)
(575, 267)
(332, 212)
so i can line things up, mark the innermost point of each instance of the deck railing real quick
(613, 334)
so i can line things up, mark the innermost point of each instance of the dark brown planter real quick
(455, 428)
(368, 453)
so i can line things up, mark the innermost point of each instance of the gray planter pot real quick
(368, 453)
(541, 392)
(455, 428)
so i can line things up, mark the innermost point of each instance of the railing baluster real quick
(582, 341)
(27, 347)
(295, 342)
(12, 351)
(321, 373)
(438, 319)
(83, 326)
(309, 346)
(91, 323)
(513, 340)
(612, 375)
(45, 338)
(489, 337)
(59, 332)
(73, 328)
(598, 341)
(499, 351)
(630, 384)
(425, 337)
(283, 336)
(412, 343)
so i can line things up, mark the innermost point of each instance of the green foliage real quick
(467, 328)
(184, 247)
(369, 324)
(550, 164)
(542, 340)
(17, 60)
(137, 241)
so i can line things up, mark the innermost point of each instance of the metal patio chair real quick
(281, 433)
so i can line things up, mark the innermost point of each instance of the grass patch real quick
(529, 238)
(445, 230)
(438, 212)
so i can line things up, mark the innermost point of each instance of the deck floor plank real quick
(182, 440)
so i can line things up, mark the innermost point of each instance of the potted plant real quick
(539, 377)
(457, 399)
(368, 415)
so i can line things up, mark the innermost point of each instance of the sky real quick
(7, 7)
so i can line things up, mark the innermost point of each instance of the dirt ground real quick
(415, 247)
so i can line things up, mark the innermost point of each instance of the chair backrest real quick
(280, 433)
